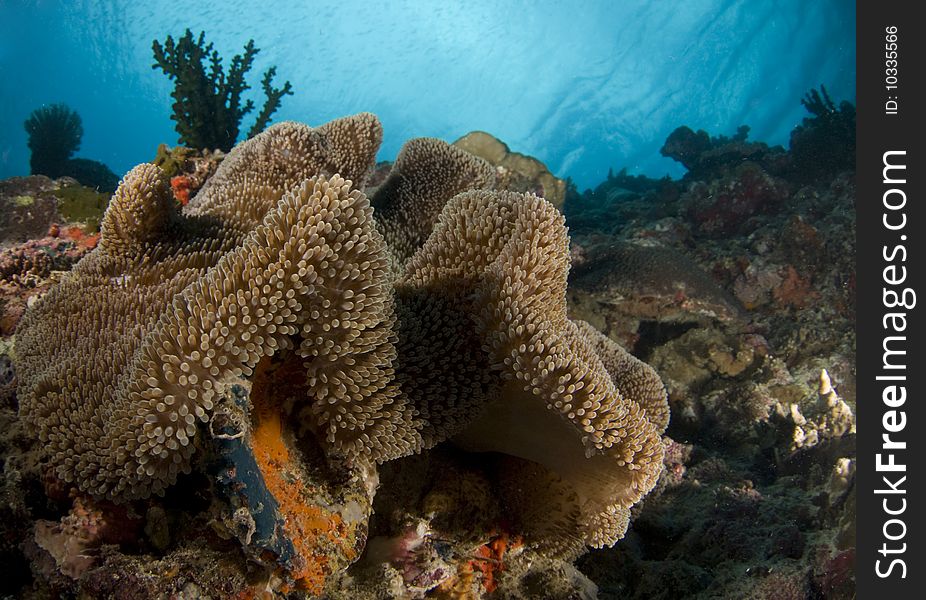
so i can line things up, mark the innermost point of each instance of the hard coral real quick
(620, 285)
(74, 542)
(730, 204)
(516, 172)
(707, 157)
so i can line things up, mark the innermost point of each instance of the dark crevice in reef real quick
(654, 333)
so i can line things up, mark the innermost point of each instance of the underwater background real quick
(583, 87)
(404, 300)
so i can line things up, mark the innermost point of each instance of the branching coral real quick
(208, 107)
(278, 260)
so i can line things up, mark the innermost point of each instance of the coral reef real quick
(437, 532)
(620, 286)
(208, 107)
(55, 132)
(32, 208)
(79, 204)
(92, 173)
(706, 157)
(732, 204)
(285, 503)
(187, 168)
(820, 148)
(74, 540)
(438, 415)
(28, 207)
(828, 417)
(757, 498)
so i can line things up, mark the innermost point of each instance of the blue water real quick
(583, 87)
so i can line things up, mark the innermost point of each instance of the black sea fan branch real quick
(818, 105)
(208, 101)
(274, 99)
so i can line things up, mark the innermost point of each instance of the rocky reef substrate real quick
(737, 284)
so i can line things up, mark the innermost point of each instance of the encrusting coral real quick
(279, 256)
(516, 172)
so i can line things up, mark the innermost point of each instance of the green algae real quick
(172, 160)
(79, 204)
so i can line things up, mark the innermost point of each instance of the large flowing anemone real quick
(439, 318)
(502, 259)
(171, 307)
(426, 174)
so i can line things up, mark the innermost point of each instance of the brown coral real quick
(516, 172)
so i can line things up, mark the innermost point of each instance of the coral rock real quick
(621, 284)
(516, 172)
(729, 205)
(27, 207)
(826, 417)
